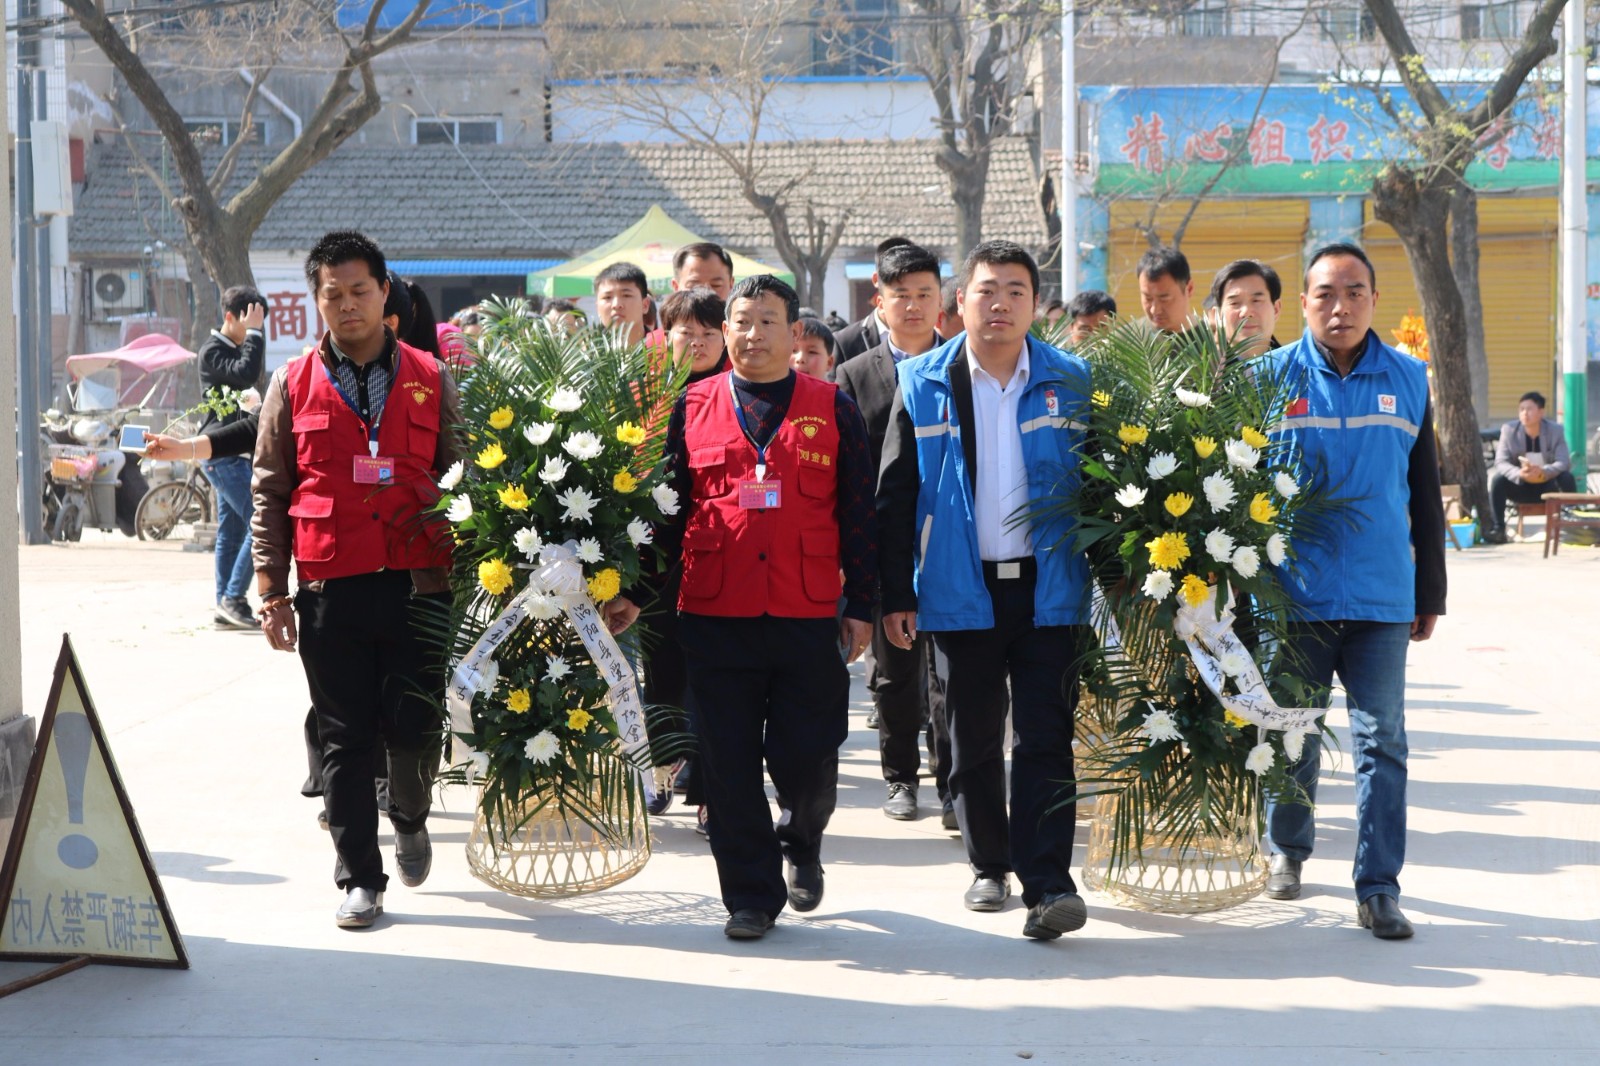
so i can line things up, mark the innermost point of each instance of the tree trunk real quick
(1420, 215)
(1464, 263)
(816, 285)
(968, 174)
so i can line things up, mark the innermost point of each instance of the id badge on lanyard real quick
(372, 468)
(759, 494)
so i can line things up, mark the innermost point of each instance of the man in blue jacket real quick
(1361, 425)
(984, 427)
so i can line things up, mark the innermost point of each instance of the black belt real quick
(1010, 569)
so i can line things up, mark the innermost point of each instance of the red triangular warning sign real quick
(77, 881)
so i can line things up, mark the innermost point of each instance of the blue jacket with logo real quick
(1366, 438)
(929, 550)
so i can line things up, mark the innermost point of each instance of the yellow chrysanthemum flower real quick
(1168, 551)
(1178, 504)
(1132, 434)
(491, 457)
(514, 498)
(624, 482)
(518, 701)
(605, 585)
(1235, 720)
(1194, 589)
(1101, 398)
(1253, 437)
(494, 575)
(1204, 446)
(501, 418)
(1261, 509)
(579, 720)
(628, 433)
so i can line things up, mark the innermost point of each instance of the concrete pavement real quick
(1501, 883)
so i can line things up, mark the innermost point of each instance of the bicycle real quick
(175, 505)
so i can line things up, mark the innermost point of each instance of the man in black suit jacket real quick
(905, 690)
(857, 337)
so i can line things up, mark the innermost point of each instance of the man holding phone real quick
(233, 357)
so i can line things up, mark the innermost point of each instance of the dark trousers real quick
(909, 695)
(313, 785)
(1035, 840)
(772, 689)
(1503, 490)
(666, 681)
(377, 685)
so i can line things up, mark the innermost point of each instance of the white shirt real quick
(1002, 477)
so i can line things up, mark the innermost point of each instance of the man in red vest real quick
(352, 440)
(778, 478)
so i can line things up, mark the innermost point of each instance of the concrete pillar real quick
(10, 609)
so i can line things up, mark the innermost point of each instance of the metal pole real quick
(1575, 243)
(10, 595)
(1068, 196)
(41, 235)
(27, 298)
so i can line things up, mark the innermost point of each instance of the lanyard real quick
(744, 426)
(372, 427)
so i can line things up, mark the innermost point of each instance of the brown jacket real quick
(275, 478)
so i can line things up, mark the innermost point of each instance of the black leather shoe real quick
(902, 802)
(1062, 912)
(748, 924)
(360, 909)
(988, 894)
(1382, 915)
(413, 856)
(947, 817)
(1495, 536)
(805, 886)
(1283, 878)
(872, 718)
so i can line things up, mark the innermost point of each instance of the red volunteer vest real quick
(341, 527)
(783, 561)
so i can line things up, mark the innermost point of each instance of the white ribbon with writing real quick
(555, 587)
(1212, 642)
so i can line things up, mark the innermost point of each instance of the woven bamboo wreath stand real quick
(1209, 873)
(555, 854)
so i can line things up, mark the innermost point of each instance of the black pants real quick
(666, 680)
(377, 686)
(1503, 490)
(313, 785)
(1035, 840)
(774, 689)
(908, 694)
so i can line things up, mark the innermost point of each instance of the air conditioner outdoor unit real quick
(116, 292)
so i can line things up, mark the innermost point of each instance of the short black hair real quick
(701, 250)
(1536, 397)
(811, 326)
(424, 331)
(996, 253)
(1164, 263)
(343, 246)
(758, 285)
(699, 304)
(1246, 268)
(888, 243)
(238, 298)
(905, 259)
(1055, 305)
(1341, 248)
(1091, 302)
(952, 307)
(626, 273)
(398, 303)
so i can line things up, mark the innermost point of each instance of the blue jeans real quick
(1370, 659)
(231, 478)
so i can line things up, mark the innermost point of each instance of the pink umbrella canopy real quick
(148, 353)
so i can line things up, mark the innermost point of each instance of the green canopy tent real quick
(648, 244)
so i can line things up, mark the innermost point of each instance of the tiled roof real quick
(555, 200)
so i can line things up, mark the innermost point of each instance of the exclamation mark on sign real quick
(72, 747)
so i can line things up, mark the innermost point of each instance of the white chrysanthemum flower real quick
(452, 477)
(556, 668)
(543, 607)
(1193, 399)
(1220, 545)
(554, 469)
(578, 504)
(588, 550)
(477, 766)
(1159, 726)
(639, 532)
(565, 399)
(538, 433)
(528, 543)
(1294, 743)
(1160, 465)
(542, 748)
(1130, 496)
(1219, 491)
(1241, 455)
(1259, 761)
(1286, 485)
(666, 498)
(1247, 561)
(583, 446)
(459, 511)
(1234, 663)
(1158, 585)
(1277, 549)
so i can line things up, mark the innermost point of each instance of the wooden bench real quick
(1554, 504)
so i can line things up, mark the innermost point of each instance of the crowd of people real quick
(851, 489)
